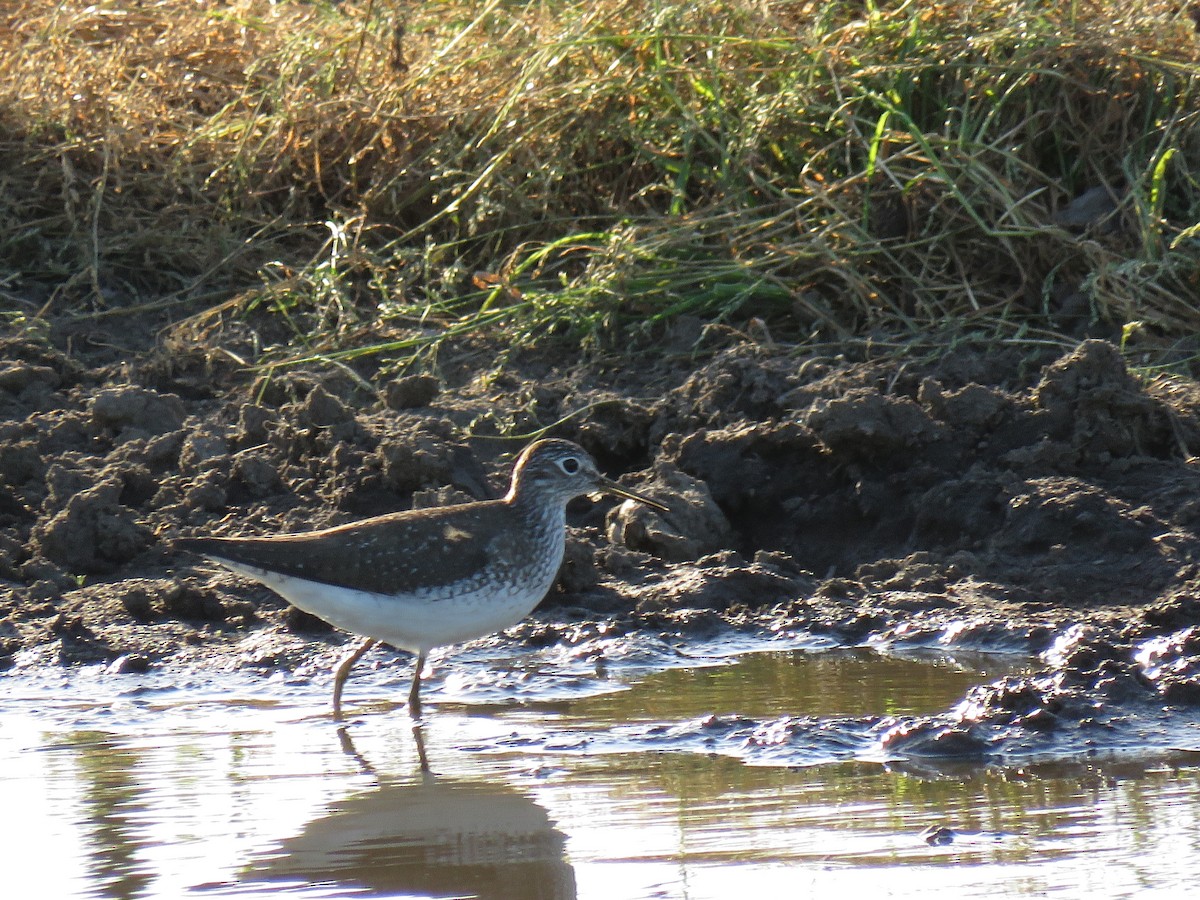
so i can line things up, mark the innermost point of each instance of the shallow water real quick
(554, 780)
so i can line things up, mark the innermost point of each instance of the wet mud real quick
(988, 498)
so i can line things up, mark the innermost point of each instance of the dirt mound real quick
(981, 484)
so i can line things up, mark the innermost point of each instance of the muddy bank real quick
(987, 494)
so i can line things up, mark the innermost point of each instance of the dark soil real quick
(989, 493)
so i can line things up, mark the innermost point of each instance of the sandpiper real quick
(427, 578)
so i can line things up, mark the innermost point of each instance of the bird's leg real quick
(343, 670)
(414, 695)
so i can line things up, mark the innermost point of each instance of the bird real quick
(426, 578)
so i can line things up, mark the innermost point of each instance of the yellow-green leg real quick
(343, 670)
(414, 694)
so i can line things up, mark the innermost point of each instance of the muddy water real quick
(553, 780)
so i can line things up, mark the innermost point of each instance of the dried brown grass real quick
(832, 168)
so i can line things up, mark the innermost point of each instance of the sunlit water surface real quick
(189, 784)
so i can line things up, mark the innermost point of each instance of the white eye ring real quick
(570, 465)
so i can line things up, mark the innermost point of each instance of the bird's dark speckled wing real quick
(392, 554)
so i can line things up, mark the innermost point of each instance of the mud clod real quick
(867, 426)
(411, 392)
(723, 581)
(1090, 399)
(617, 429)
(422, 462)
(256, 473)
(21, 463)
(94, 533)
(694, 527)
(320, 409)
(136, 411)
(19, 378)
(186, 602)
(140, 600)
(203, 449)
(254, 425)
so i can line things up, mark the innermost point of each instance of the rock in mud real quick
(923, 738)
(12, 554)
(1174, 612)
(128, 663)
(208, 492)
(1091, 689)
(962, 513)
(141, 599)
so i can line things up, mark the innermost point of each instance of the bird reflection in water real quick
(363, 763)
(427, 836)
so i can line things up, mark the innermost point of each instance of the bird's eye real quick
(570, 465)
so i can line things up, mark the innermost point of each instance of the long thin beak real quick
(608, 486)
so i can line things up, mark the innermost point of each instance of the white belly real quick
(416, 624)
